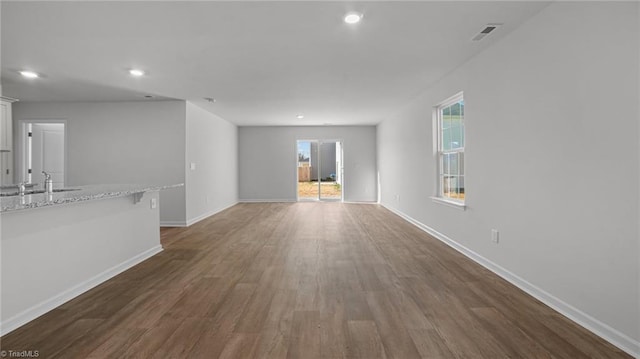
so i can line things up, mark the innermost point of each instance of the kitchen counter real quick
(71, 195)
(57, 246)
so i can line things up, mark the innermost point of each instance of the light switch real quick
(193, 166)
(495, 236)
(154, 203)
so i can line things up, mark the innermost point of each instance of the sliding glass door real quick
(319, 170)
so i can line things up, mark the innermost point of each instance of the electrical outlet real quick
(154, 203)
(398, 198)
(495, 236)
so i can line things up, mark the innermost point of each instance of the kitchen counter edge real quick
(82, 194)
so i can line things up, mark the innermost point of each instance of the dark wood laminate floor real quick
(306, 280)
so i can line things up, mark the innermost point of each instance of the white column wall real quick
(212, 146)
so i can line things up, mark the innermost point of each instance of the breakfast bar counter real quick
(54, 247)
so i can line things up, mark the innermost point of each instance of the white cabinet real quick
(6, 133)
(6, 141)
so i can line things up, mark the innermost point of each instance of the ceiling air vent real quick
(489, 28)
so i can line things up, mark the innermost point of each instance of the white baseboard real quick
(173, 224)
(208, 214)
(597, 327)
(274, 200)
(293, 200)
(43, 307)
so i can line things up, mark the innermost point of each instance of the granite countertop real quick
(78, 194)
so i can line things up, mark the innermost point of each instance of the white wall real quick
(551, 162)
(212, 145)
(268, 160)
(122, 142)
(638, 158)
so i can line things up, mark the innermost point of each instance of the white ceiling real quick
(264, 62)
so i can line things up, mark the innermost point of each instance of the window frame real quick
(440, 152)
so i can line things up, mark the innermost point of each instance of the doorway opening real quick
(320, 170)
(42, 147)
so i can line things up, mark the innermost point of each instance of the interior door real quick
(47, 152)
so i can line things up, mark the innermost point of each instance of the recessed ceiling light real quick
(300, 116)
(136, 72)
(29, 74)
(353, 18)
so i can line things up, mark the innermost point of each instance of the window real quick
(450, 149)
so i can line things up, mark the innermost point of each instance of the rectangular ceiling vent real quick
(489, 28)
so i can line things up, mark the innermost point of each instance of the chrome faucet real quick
(48, 182)
(22, 187)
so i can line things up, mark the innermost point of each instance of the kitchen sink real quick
(37, 191)
(54, 191)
